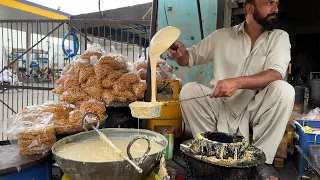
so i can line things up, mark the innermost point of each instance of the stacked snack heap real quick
(99, 76)
(86, 84)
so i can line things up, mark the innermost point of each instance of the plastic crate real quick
(305, 140)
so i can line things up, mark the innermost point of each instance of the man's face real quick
(265, 13)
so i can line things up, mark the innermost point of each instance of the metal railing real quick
(37, 50)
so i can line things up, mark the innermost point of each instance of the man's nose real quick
(275, 8)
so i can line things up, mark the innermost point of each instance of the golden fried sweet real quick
(94, 106)
(114, 75)
(106, 83)
(110, 61)
(108, 96)
(71, 82)
(129, 78)
(139, 89)
(86, 72)
(121, 86)
(87, 55)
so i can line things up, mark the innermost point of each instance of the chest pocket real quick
(255, 65)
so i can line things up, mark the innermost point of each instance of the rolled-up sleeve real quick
(279, 56)
(202, 53)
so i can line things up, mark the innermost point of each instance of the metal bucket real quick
(315, 91)
(206, 165)
(123, 170)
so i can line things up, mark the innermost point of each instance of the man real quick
(250, 62)
(6, 75)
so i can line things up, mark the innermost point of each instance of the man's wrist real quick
(240, 82)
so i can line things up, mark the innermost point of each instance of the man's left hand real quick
(225, 88)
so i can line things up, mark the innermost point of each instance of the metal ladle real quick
(115, 148)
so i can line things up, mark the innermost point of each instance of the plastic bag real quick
(129, 78)
(142, 74)
(131, 68)
(94, 106)
(111, 61)
(58, 90)
(94, 60)
(141, 65)
(34, 131)
(73, 95)
(76, 116)
(161, 62)
(121, 85)
(59, 110)
(36, 141)
(101, 70)
(114, 75)
(78, 65)
(94, 51)
(71, 81)
(86, 72)
(94, 87)
(120, 58)
(95, 48)
(61, 80)
(66, 69)
(108, 84)
(314, 114)
(139, 90)
(108, 96)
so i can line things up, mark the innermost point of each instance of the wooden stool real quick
(281, 154)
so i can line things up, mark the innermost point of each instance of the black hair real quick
(5, 67)
(249, 2)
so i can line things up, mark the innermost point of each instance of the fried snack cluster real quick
(36, 141)
(94, 106)
(95, 75)
(65, 120)
(164, 71)
(120, 88)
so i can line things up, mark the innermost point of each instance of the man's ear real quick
(249, 8)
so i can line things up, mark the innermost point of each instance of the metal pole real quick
(153, 32)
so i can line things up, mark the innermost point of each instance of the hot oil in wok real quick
(95, 150)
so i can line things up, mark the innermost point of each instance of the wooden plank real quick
(278, 162)
(282, 149)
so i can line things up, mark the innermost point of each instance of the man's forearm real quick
(258, 81)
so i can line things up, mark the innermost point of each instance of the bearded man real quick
(248, 93)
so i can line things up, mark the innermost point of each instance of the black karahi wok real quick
(78, 170)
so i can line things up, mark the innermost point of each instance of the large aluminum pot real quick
(78, 170)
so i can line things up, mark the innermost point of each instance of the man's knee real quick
(189, 90)
(282, 90)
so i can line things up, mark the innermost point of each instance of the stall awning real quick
(22, 9)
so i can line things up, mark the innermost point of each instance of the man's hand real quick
(225, 88)
(181, 55)
(228, 87)
(181, 49)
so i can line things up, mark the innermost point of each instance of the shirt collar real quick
(240, 28)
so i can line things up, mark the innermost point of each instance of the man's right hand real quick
(181, 55)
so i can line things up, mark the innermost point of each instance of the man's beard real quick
(266, 22)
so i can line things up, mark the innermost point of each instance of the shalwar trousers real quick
(266, 114)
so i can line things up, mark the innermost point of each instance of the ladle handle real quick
(174, 47)
(84, 118)
(145, 154)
